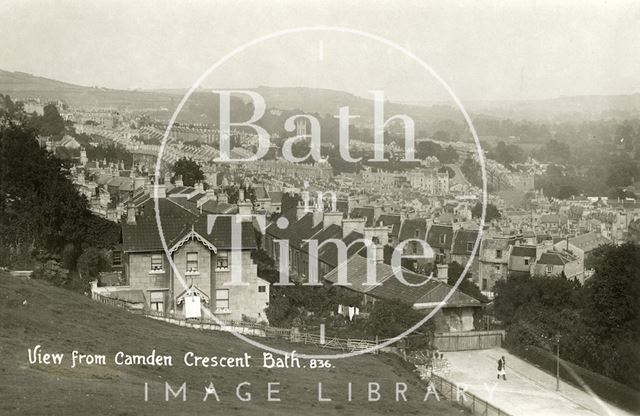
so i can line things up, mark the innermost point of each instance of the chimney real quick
(379, 234)
(244, 206)
(223, 198)
(442, 273)
(199, 186)
(131, 213)
(179, 180)
(332, 218)
(379, 253)
(350, 225)
(167, 178)
(138, 182)
(161, 189)
(317, 218)
(377, 211)
(301, 210)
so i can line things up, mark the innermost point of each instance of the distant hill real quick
(21, 85)
(35, 313)
(584, 107)
(324, 101)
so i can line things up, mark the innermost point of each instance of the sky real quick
(484, 50)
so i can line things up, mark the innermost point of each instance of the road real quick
(528, 390)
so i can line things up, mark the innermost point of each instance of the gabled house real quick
(494, 259)
(393, 223)
(440, 238)
(557, 263)
(413, 251)
(522, 258)
(582, 246)
(462, 252)
(202, 262)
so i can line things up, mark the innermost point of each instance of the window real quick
(222, 298)
(469, 247)
(262, 289)
(116, 258)
(192, 262)
(498, 254)
(549, 269)
(497, 268)
(417, 233)
(157, 301)
(156, 263)
(484, 284)
(526, 261)
(222, 260)
(442, 238)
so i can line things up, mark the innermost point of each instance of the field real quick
(35, 313)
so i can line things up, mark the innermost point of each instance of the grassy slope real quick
(62, 321)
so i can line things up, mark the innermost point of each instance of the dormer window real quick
(469, 247)
(192, 262)
(442, 238)
(222, 261)
(498, 254)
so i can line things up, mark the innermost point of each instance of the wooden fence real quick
(473, 340)
(266, 331)
(110, 301)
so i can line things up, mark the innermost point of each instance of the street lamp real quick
(557, 362)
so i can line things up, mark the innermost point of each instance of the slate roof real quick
(524, 251)
(460, 240)
(433, 237)
(329, 252)
(556, 258)
(589, 241)
(390, 287)
(392, 220)
(364, 212)
(276, 197)
(176, 223)
(413, 228)
(457, 298)
(260, 192)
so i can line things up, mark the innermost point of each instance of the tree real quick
(190, 171)
(53, 272)
(466, 285)
(41, 209)
(390, 318)
(50, 123)
(492, 212)
(91, 262)
(614, 289)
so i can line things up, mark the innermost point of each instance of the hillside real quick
(324, 101)
(33, 312)
(21, 85)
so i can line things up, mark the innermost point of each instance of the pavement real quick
(528, 391)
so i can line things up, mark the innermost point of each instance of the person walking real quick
(502, 368)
